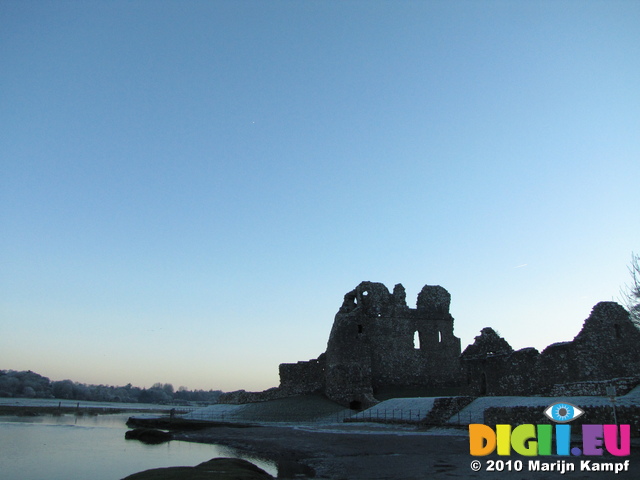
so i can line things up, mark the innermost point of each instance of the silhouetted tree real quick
(63, 389)
(31, 385)
(631, 292)
(24, 384)
(168, 388)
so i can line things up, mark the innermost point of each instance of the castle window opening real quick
(439, 336)
(359, 328)
(617, 329)
(416, 340)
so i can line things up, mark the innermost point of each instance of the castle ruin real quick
(380, 348)
(606, 351)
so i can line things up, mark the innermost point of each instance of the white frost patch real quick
(474, 412)
(219, 412)
(400, 409)
(366, 428)
(410, 410)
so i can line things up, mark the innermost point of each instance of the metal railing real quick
(372, 415)
(268, 417)
(394, 415)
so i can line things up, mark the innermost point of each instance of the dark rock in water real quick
(148, 435)
(216, 469)
(168, 423)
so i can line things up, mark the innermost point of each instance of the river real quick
(72, 446)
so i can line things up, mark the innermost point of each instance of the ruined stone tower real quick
(380, 348)
(379, 344)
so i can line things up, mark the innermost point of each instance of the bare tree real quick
(630, 293)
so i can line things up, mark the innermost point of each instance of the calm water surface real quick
(71, 447)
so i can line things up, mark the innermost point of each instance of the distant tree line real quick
(32, 385)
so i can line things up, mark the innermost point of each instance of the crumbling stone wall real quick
(377, 343)
(240, 397)
(444, 408)
(380, 345)
(602, 414)
(595, 388)
(607, 347)
(303, 377)
(373, 344)
(492, 367)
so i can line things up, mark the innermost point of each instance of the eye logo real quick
(563, 412)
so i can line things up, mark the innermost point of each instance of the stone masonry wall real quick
(372, 344)
(378, 344)
(607, 347)
(593, 415)
(303, 377)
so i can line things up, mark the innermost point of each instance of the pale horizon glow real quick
(188, 189)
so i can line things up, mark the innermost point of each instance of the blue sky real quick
(188, 189)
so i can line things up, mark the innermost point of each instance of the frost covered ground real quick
(303, 409)
(318, 413)
(219, 411)
(474, 412)
(394, 409)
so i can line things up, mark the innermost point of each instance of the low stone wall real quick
(445, 408)
(303, 377)
(240, 397)
(593, 415)
(596, 388)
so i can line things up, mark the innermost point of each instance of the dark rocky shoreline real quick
(348, 452)
(217, 468)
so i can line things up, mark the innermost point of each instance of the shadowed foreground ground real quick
(218, 468)
(353, 452)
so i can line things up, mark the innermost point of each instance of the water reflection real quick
(69, 446)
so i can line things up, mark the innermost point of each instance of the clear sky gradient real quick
(189, 188)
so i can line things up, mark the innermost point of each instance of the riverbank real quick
(26, 411)
(27, 407)
(325, 447)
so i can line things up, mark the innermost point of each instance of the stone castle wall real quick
(378, 344)
(607, 347)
